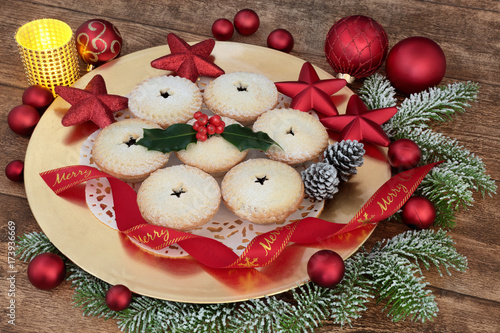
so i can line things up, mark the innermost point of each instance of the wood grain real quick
(466, 30)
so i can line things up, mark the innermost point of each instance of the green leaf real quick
(174, 138)
(244, 138)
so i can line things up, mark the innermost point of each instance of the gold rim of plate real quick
(112, 257)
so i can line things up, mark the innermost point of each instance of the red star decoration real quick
(188, 61)
(309, 92)
(359, 123)
(92, 103)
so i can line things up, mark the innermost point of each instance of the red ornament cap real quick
(92, 103)
(188, 61)
(359, 123)
(309, 92)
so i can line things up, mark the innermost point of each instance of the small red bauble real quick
(246, 22)
(98, 41)
(280, 39)
(22, 119)
(356, 45)
(418, 213)
(15, 170)
(38, 97)
(326, 268)
(46, 271)
(415, 64)
(404, 154)
(222, 29)
(118, 297)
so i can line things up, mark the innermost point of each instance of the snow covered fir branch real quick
(391, 273)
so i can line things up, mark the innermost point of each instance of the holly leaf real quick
(244, 138)
(174, 138)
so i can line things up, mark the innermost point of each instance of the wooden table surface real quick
(467, 31)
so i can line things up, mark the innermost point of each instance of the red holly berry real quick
(210, 129)
(202, 120)
(201, 136)
(215, 120)
(196, 126)
(197, 115)
(202, 130)
(219, 129)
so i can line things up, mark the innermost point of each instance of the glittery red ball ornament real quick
(98, 41)
(415, 64)
(22, 119)
(15, 170)
(222, 29)
(246, 22)
(38, 97)
(118, 297)
(280, 39)
(404, 154)
(46, 271)
(326, 268)
(356, 45)
(418, 213)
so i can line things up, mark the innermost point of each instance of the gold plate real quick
(112, 257)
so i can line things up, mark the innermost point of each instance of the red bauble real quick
(326, 268)
(404, 154)
(280, 39)
(356, 45)
(246, 22)
(415, 64)
(98, 41)
(46, 271)
(15, 170)
(418, 213)
(38, 97)
(118, 297)
(222, 29)
(22, 119)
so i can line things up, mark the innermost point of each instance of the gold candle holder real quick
(48, 53)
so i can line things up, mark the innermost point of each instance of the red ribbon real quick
(264, 248)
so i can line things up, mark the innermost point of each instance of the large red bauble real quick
(222, 29)
(15, 170)
(46, 271)
(418, 213)
(415, 64)
(38, 97)
(98, 41)
(356, 45)
(326, 268)
(246, 22)
(404, 154)
(22, 119)
(280, 39)
(118, 297)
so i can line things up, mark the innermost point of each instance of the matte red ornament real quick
(92, 103)
(246, 22)
(22, 119)
(98, 41)
(280, 39)
(38, 97)
(222, 29)
(356, 45)
(188, 61)
(118, 297)
(418, 213)
(309, 92)
(15, 170)
(46, 271)
(404, 154)
(359, 123)
(415, 64)
(326, 268)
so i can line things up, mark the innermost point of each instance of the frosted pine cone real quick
(345, 156)
(320, 181)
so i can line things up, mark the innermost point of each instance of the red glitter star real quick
(309, 92)
(188, 61)
(359, 123)
(92, 103)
